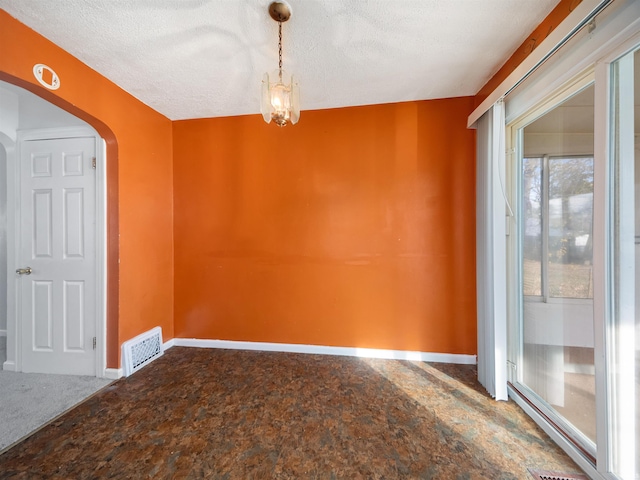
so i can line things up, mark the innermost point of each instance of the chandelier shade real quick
(280, 100)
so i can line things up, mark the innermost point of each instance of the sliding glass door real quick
(556, 184)
(575, 263)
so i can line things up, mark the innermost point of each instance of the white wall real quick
(9, 123)
(3, 239)
(9, 110)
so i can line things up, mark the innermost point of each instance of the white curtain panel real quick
(491, 249)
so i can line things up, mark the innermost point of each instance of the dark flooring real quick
(221, 414)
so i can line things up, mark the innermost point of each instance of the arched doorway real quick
(28, 117)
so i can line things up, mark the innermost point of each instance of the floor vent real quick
(141, 350)
(545, 475)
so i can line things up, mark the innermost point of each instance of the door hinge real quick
(94, 343)
(93, 163)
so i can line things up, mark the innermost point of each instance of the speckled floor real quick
(220, 414)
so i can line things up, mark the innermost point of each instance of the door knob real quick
(24, 271)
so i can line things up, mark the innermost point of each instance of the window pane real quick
(532, 235)
(570, 227)
(556, 226)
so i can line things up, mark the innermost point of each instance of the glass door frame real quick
(603, 260)
(606, 308)
(515, 307)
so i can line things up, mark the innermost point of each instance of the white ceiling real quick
(206, 58)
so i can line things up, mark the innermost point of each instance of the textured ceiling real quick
(206, 58)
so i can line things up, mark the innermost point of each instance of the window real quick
(557, 211)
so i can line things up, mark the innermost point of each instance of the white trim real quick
(3, 333)
(328, 350)
(618, 270)
(101, 256)
(601, 259)
(168, 344)
(550, 101)
(13, 350)
(9, 366)
(56, 133)
(549, 45)
(559, 439)
(112, 373)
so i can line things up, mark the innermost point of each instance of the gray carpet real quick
(30, 400)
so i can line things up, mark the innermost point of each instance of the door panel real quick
(42, 319)
(42, 220)
(556, 166)
(74, 317)
(74, 227)
(57, 220)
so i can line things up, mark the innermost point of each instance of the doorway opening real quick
(27, 120)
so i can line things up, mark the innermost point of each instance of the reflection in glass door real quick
(556, 231)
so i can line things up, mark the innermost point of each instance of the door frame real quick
(14, 325)
(618, 40)
(515, 296)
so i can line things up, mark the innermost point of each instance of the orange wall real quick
(355, 227)
(542, 31)
(140, 177)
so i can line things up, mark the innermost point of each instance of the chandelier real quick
(280, 100)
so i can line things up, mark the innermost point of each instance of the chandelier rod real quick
(280, 50)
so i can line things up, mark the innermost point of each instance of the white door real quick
(56, 278)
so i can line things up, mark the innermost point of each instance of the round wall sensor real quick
(46, 76)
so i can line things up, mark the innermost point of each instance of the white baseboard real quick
(9, 366)
(3, 333)
(113, 373)
(327, 350)
(168, 344)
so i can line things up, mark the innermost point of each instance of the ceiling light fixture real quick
(280, 101)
